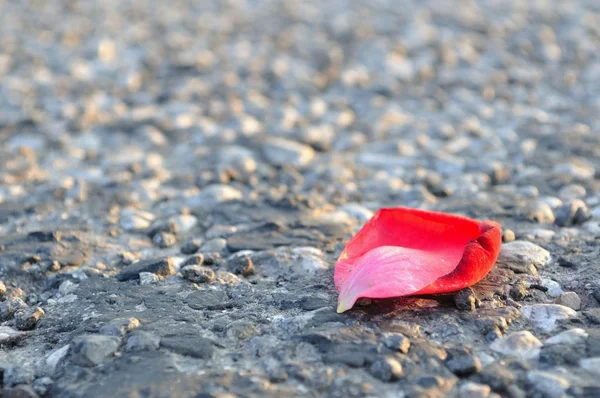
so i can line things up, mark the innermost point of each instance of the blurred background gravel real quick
(256, 137)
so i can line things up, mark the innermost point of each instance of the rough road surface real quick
(177, 179)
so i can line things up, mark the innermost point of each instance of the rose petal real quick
(403, 251)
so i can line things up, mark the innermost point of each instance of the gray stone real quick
(196, 259)
(569, 299)
(241, 265)
(386, 369)
(67, 287)
(464, 365)
(573, 213)
(198, 273)
(548, 384)
(213, 195)
(162, 267)
(184, 222)
(546, 316)
(119, 326)
(521, 344)
(523, 252)
(191, 246)
(27, 319)
(310, 264)
(396, 341)
(139, 340)
(135, 220)
(189, 344)
(553, 288)
(54, 359)
(208, 299)
(92, 350)
(281, 152)
(217, 245)
(2, 289)
(593, 314)
(164, 239)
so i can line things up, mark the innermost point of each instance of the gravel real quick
(177, 182)
(92, 350)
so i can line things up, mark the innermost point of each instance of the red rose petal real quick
(402, 251)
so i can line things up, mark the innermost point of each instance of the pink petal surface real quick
(402, 251)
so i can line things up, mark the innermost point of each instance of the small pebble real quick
(465, 300)
(242, 265)
(198, 273)
(196, 259)
(396, 342)
(148, 278)
(569, 299)
(574, 212)
(508, 235)
(386, 369)
(164, 239)
(27, 319)
(190, 246)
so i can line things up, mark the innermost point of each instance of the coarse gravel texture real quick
(247, 141)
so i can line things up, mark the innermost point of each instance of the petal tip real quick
(344, 305)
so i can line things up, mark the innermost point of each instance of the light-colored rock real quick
(135, 220)
(281, 152)
(54, 359)
(520, 344)
(91, 350)
(185, 222)
(554, 288)
(311, 264)
(308, 250)
(592, 365)
(542, 213)
(67, 287)
(571, 336)
(214, 245)
(548, 384)
(148, 278)
(212, 195)
(524, 252)
(569, 299)
(581, 170)
(220, 231)
(474, 390)
(546, 316)
(551, 201)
